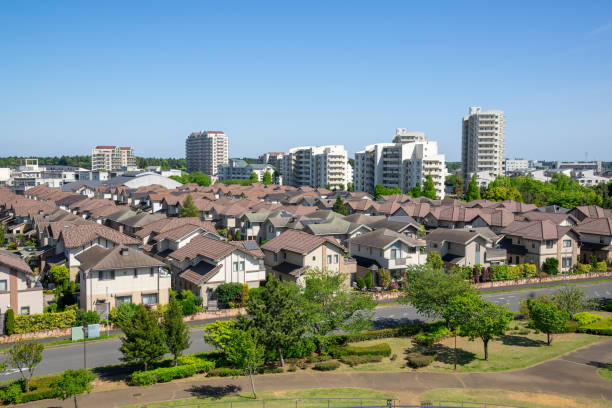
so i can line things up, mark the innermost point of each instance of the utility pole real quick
(84, 347)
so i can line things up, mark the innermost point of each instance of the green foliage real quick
(267, 178)
(73, 383)
(601, 327)
(201, 365)
(9, 322)
(429, 189)
(601, 266)
(361, 283)
(381, 191)
(432, 334)
(473, 191)
(143, 341)
(187, 301)
(382, 349)
(384, 277)
(12, 394)
(551, 266)
(188, 208)
(326, 366)
(456, 182)
(25, 356)
(175, 331)
(219, 333)
(434, 260)
(44, 321)
(419, 360)
(582, 268)
(12, 245)
(585, 318)
(303, 348)
(367, 280)
(84, 318)
(164, 163)
(547, 317)
(225, 372)
(59, 275)
(354, 360)
(246, 352)
(503, 193)
(571, 300)
(416, 191)
(196, 177)
(123, 314)
(3, 239)
(163, 374)
(340, 206)
(240, 182)
(229, 292)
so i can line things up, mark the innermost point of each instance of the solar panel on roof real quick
(250, 246)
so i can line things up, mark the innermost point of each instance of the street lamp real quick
(84, 348)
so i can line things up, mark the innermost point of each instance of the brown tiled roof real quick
(594, 211)
(207, 247)
(79, 235)
(200, 273)
(167, 224)
(298, 241)
(595, 226)
(536, 230)
(383, 237)
(118, 257)
(14, 261)
(557, 218)
(177, 233)
(460, 236)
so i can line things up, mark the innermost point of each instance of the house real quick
(120, 275)
(406, 226)
(533, 242)
(595, 239)
(385, 248)
(149, 233)
(590, 211)
(289, 255)
(251, 225)
(20, 290)
(466, 247)
(205, 263)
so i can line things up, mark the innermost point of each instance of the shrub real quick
(303, 348)
(582, 268)
(326, 366)
(356, 360)
(523, 332)
(225, 372)
(584, 318)
(601, 327)
(529, 270)
(163, 374)
(39, 389)
(84, 318)
(44, 321)
(124, 313)
(433, 333)
(201, 365)
(9, 322)
(384, 278)
(292, 369)
(269, 370)
(500, 272)
(401, 331)
(418, 360)
(317, 359)
(12, 393)
(143, 378)
(368, 279)
(361, 283)
(601, 266)
(229, 292)
(551, 266)
(515, 272)
(382, 349)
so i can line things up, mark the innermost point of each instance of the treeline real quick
(85, 161)
(164, 163)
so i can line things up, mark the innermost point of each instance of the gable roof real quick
(299, 242)
(459, 236)
(78, 235)
(539, 230)
(14, 262)
(382, 238)
(118, 257)
(209, 248)
(595, 226)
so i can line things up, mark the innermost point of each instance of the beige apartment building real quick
(205, 151)
(483, 142)
(112, 158)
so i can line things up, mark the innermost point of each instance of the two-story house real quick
(595, 239)
(466, 247)
(533, 242)
(120, 274)
(19, 288)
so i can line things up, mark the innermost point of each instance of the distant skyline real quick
(274, 75)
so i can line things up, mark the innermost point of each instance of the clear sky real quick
(274, 75)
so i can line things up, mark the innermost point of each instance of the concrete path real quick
(573, 374)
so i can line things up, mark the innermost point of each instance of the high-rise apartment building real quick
(112, 158)
(205, 151)
(483, 142)
(404, 163)
(316, 166)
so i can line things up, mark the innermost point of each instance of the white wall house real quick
(19, 288)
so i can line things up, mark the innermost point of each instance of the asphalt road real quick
(106, 352)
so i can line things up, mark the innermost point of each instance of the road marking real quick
(12, 371)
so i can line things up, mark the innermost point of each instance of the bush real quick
(40, 389)
(44, 321)
(143, 378)
(303, 348)
(84, 318)
(9, 322)
(163, 374)
(201, 365)
(326, 366)
(500, 272)
(356, 360)
(601, 327)
(292, 369)
(529, 270)
(361, 283)
(318, 359)
(601, 266)
(384, 278)
(225, 372)
(433, 333)
(401, 331)
(418, 360)
(582, 268)
(523, 332)
(269, 370)
(229, 292)
(12, 393)
(551, 266)
(382, 349)
(515, 272)
(124, 313)
(584, 318)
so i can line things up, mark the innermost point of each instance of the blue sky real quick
(274, 75)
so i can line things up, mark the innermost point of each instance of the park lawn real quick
(606, 372)
(511, 398)
(345, 396)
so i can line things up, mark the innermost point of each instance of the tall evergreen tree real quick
(416, 191)
(143, 340)
(177, 333)
(340, 206)
(188, 209)
(473, 192)
(267, 178)
(429, 189)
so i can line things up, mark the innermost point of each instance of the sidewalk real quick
(573, 374)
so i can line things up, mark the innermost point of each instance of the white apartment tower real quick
(404, 163)
(316, 166)
(112, 158)
(205, 151)
(483, 142)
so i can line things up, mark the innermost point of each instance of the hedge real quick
(602, 327)
(356, 360)
(44, 321)
(164, 374)
(382, 349)
(584, 318)
(433, 333)
(40, 388)
(402, 331)
(326, 366)
(418, 360)
(225, 372)
(201, 365)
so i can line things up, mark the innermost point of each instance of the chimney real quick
(123, 251)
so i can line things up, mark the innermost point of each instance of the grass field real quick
(606, 372)
(510, 398)
(312, 398)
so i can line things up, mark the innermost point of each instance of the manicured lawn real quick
(606, 372)
(521, 399)
(346, 396)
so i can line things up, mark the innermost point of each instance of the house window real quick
(275, 258)
(393, 253)
(271, 229)
(25, 310)
(434, 245)
(329, 259)
(335, 259)
(107, 275)
(3, 285)
(567, 243)
(122, 299)
(135, 273)
(601, 240)
(533, 245)
(566, 262)
(314, 258)
(235, 266)
(149, 298)
(242, 265)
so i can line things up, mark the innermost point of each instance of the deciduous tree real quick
(176, 332)
(547, 317)
(429, 189)
(245, 351)
(25, 356)
(73, 383)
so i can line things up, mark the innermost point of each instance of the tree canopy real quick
(473, 191)
(188, 208)
(381, 191)
(196, 177)
(143, 341)
(267, 178)
(340, 206)
(72, 383)
(429, 189)
(547, 317)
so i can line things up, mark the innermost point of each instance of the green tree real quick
(176, 332)
(9, 322)
(429, 189)
(381, 191)
(267, 178)
(482, 319)
(331, 305)
(254, 177)
(571, 300)
(384, 277)
(456, 182)
(350, 187)
(219, 333)
(434, 260)
(244, 351)
(143, 341)
(277, 314)
(340, 206)
(59, 275)
(547, 317)
(368, 280)
(473, 191)
(188, 209)
(431, 290)
(200, 179)
(25, 356)
(3, 239)
(551, 266)
(73, 383)
(237, 235)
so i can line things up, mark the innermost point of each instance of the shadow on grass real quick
(387, 323)
(445, 354)
(209, 391)
(521, 341)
